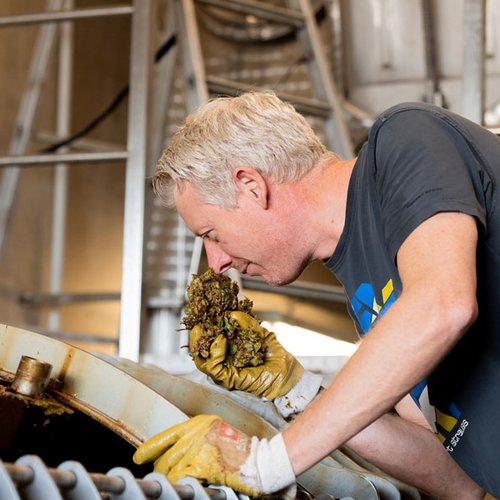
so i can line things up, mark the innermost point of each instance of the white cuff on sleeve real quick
(267, 468)
(301, 394)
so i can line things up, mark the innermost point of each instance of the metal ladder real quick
(182, 257)
(299, 14)
(157, 314)
(327, 103)
(136, 155)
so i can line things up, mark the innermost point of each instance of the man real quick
(411, 228)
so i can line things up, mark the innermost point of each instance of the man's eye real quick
(211, 237)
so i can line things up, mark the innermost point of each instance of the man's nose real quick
(218, 260)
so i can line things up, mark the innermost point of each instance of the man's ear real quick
(251, 183)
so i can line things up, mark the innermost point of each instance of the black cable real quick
(92, 124)
(165, 48)
(118, 99)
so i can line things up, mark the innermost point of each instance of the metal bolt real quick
(32, 377)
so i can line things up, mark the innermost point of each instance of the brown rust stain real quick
(115, 426)
(65, 366)
(49, 405)
(6, 376)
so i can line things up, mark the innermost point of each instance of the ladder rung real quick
(260, 9)
(22, 161)
(84, 144)
(163, 302)
(66, 15)
(303, 104)
(303, 290)
(61, 299)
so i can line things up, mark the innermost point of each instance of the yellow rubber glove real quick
(273, 378)
(204, 447)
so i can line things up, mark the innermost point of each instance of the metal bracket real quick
(131, 490)
(198, 492)
(84, 488)
(42, 486)
(168, 492)
(230, 493)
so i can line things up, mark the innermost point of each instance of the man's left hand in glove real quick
(207, 448)
(280, 378)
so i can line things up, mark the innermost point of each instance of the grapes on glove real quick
(275, 377)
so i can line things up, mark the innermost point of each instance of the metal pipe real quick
(491, 35)
(60, 182)
(58, 299)
(338, 54)
(307, 291)
(313, 291)
(473, 72)
(385, 31)
(59, 16)
(23, 475)
(434, 93)
(47, 159)
(133, 235)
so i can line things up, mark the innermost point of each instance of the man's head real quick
(255, 129)
(232, 171)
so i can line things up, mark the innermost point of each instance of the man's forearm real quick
(383, 369)
(413, 454)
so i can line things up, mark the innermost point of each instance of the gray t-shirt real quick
(420, 160)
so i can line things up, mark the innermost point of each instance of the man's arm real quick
(405, 447)
(438, 272)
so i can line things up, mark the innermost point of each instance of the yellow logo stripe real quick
(445, 421)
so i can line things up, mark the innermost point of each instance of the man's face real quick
(254, 240)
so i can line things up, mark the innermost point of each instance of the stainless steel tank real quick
(96, 409)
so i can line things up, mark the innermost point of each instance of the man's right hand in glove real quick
(279, 376)
(207, 448)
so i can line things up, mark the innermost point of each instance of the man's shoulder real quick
(411, 111)
(413, 120)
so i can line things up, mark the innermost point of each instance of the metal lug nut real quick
(32, 377)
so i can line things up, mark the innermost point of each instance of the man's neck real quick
(331, 184)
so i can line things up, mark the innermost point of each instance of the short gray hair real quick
(255, 129)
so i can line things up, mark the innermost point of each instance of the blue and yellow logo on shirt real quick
(365, 305)
(449, 427)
